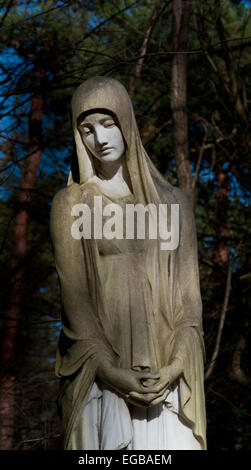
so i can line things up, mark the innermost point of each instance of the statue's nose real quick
(101, 138)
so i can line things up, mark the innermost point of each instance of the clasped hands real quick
(140, 388)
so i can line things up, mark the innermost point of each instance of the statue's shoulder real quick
(66, 197)
(62, 203)
(169, 193)
(181, 197)
(186, 210)
(174, 195)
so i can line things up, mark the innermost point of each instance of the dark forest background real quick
(186, 65)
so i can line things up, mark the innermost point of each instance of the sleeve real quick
(82, 337)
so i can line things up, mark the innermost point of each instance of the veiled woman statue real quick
(131, 354)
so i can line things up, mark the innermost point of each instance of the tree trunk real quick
(143, 49)
(181, 15)
(19, 251)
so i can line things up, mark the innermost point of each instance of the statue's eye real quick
(86, 130)
(109, 123)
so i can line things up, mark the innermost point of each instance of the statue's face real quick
(102, 137)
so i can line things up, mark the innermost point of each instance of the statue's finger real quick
(160, 399)
(148, 382)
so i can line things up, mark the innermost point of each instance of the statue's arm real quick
(79, 321)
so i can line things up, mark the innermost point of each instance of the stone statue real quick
(130, 355)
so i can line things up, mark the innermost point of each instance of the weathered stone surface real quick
(131, 351)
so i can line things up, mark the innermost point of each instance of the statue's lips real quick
(106, 150)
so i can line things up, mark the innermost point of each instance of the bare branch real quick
(139, 65)
(221, 324)
(202, 148)
(8, 8)
(18, 23)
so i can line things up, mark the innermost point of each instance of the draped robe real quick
(125, 300)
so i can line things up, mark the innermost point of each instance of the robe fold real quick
(126, 300)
